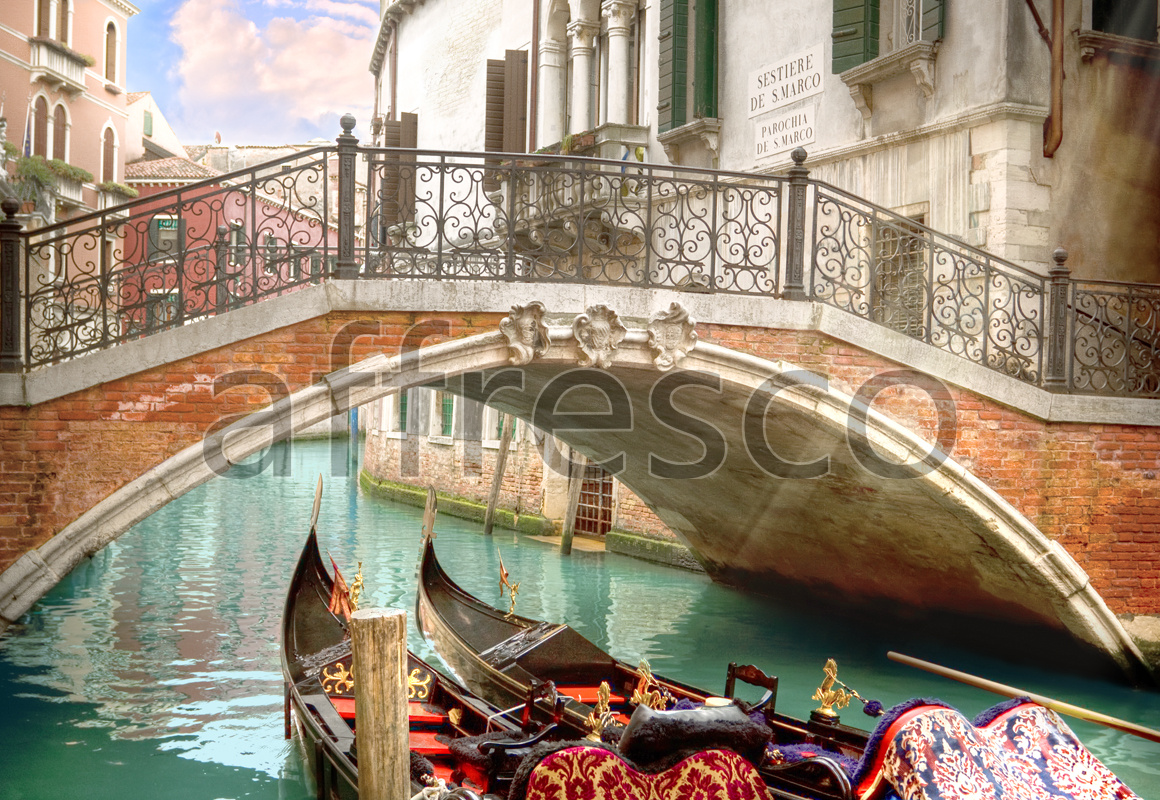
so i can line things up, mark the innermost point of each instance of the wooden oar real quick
(1010, 691)
(317, 503)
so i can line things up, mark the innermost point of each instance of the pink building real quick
(192, 248)
(63, 76)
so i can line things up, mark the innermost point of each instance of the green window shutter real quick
(147, 125)
(705, 58)
(673, 63)
(855, 34)
(152, 241)
(403, 410)
(933, 19)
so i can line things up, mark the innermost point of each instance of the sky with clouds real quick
(256, 71)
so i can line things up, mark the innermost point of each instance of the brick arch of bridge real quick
(166, 431)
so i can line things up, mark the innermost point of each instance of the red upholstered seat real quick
(1024, 753)
(597, 774)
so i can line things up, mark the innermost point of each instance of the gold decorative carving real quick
(598, 333)
(418, 685)
(512, 588)
(602, 714)
(455, 715)
(648, 691)
(833, 693)
(526, 332)
(671, 336)
(356, 589)
(341, 681)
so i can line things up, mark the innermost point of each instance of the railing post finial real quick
(346, 267)
(794, 288)
(10, 360)
(1056, 379)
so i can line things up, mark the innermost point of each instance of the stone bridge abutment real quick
(1039, 506)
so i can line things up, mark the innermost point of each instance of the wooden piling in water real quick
(379, 649)
(505, 441)
(579, 465)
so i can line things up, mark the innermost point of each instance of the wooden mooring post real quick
(505, 441)
(379, 649)
(579, 465)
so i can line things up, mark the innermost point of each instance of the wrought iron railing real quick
(369, 213)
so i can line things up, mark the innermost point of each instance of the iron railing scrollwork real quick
(354, 212)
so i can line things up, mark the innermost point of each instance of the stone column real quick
(551, 92)
(583, 34)
(619, 14)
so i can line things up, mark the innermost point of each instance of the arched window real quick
(62, 21)
(40, 127)
(109, 156)
(111, 53)
(60, 133)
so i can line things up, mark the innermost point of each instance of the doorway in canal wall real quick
(594, 510)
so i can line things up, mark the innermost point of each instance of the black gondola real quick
(504, 658)
(320, 700)
(1023, 748)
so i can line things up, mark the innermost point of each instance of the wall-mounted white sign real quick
(786, 81)
(785, 131)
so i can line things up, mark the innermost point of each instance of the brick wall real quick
(1094, 488)
(62, 457)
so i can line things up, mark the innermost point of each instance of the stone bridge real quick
(799, 439)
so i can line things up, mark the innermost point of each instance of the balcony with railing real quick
(57, 65)
(234, 240)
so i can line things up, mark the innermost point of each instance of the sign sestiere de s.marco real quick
(787, 81)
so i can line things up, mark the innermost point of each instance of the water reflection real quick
(152, 669)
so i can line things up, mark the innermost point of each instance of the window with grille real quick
(401, 412)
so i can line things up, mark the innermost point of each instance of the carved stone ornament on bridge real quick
(526, 332)
(671, 336)
(598, 333)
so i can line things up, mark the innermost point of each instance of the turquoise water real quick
(152, 670)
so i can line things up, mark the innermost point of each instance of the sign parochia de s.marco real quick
(778, 85)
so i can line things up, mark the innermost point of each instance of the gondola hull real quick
(320, 696)
(502, 657)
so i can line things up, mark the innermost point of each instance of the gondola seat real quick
(596, 773)
(925, 750)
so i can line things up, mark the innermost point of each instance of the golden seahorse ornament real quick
(505, 582)
(827, 695)
(648, 691)
(602, 714)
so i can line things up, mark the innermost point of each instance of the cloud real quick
(285, 78)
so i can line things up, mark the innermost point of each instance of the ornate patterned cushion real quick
(595, 774)
(1025, 753)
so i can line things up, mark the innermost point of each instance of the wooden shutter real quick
(397, 191)
(59, 133)
(505, 123)
(108, 157)
(40, 128)
(705, 58)
(494, 106)
(934, 19)
(515, 102)
(855, 33)
(673, 63)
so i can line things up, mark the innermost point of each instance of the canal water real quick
(152, 670)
